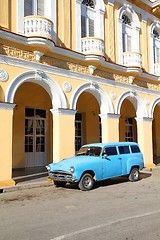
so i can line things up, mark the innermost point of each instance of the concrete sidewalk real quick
(41, 180)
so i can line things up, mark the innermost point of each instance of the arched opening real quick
(156, 134)
(87, 121)
(127, 122)
(32, 127)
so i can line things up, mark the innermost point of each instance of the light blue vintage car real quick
(96, 162)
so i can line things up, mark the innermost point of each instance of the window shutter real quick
(40, 7)
(28, 7)
(83, 26)
(123, 42)
(91, 28)
(129, 43)
(158, 55)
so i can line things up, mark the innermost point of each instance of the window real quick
(110, 151)
(135, 149)
(78, 131)
(87, 19)
(46, 8)
(129, 129)
(123, 149)
(126, 33)
(90, 13)
(156, 46)
(33, 7)
(89, 3)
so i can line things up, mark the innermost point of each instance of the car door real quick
(112, 162)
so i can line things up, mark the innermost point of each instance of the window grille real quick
(89, 3)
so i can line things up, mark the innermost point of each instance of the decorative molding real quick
(3, 75)
(67, 87)
(112, 95)
(38, 55)
(91, 69)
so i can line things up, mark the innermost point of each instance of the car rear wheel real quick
(59, 183)
(86, 182)
(134, 175)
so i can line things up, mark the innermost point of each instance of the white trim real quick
(101, 96)
(63, 111)
(136, 100)
(7, 106)
(109, 116)
(50, 85)
(143, 119)
(152, 107)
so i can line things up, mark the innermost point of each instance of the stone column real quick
(110, 127)
(6, 141)
(63, 133)
(144, 131)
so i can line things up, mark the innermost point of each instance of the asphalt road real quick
(113, 210)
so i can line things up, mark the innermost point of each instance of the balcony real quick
(37, 26)
(132, 59)
(157, 69)
(92, 46)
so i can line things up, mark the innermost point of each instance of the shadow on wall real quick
(1, 94)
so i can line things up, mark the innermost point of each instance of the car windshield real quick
(89, 151)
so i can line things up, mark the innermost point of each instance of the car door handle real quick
(119, 158)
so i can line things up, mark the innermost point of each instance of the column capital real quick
(63, 111)
(109, 116)
(144, 119)
(111, 2)
(7, 106)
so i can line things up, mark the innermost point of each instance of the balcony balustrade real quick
(92, 46)
(37, 26)
(157, 69)
(132, 59)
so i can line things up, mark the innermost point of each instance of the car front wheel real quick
(134, 175)
(86, 182)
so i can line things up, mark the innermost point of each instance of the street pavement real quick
(114, 210)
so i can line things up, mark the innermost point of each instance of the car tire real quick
(59, 183)
(86, 182)
(134, 175)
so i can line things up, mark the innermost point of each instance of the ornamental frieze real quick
(17, 53)
(50, 61)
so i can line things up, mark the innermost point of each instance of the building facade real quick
(75, 72)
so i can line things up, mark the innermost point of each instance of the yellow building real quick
(75, 72)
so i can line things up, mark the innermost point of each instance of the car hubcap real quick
(87, 182)
(135, 174)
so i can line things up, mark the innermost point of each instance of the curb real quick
(26, 186)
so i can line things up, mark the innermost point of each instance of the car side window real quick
(135, 149)
(109, 151)
(123, 149)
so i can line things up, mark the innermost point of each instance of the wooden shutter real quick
(91, 28)
(40, 7)
(28, 7)
(83, 26)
